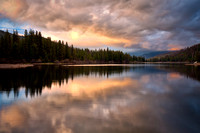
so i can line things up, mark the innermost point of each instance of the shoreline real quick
(193, 64)
(167, 62)
(183, 63)
(25, 65)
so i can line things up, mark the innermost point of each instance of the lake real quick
(141, 98)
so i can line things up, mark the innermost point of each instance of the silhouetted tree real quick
(33, 47)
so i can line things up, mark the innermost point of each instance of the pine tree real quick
(72, 52)
(66, 51)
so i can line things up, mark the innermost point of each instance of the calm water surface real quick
(100, 99)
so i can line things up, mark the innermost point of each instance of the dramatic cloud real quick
(129, 24)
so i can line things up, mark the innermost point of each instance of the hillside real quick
(189, 54)
(165, 54)
(154, 54)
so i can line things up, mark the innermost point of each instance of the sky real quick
(127, 25)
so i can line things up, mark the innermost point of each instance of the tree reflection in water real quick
(36, 78)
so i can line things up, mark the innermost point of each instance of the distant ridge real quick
(154, 54)
(149, 53)
(189, 54)
(166, 54)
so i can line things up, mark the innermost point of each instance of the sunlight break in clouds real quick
(126, 24)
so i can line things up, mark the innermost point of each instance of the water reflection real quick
(36, 78)
(188, 71)
(125, 99)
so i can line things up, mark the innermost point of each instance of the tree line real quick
(32, 47)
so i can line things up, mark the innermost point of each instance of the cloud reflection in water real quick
(136, 102)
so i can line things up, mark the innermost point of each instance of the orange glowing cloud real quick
(87, 39)
(12, 8)
(129, 24)
(174, 47)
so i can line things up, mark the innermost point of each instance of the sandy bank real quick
(14, 66)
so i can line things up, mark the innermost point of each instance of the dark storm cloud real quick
(151, 24)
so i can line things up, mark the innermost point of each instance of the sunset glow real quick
(99, 66)
(74, 35)
(124, 25)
